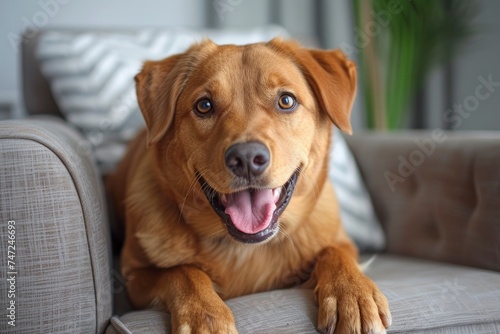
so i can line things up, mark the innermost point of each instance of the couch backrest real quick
(38, 98)
(436, 193)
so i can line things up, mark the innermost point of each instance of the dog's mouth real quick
(251, 215)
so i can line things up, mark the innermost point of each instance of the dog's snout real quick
(247, 160)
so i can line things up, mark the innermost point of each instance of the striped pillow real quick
(91, 75)
(356, 209)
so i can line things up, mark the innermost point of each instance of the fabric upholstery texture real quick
(146, 321)
(424, 296)
(54, 195)
(437, 196)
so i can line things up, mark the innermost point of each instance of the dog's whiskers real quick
(188, 192)
(309, 182)
(287, 236)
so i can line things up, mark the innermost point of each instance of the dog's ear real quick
(160, 83)
(331, 76)
(157, 91)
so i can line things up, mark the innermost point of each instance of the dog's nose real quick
(247, 159)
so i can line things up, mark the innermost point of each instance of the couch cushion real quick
(425, 297)
(435, 297)
(281, 311)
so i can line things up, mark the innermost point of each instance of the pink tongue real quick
(251, 211)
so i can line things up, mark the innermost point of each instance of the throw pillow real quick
(356, 209)
(91, 75)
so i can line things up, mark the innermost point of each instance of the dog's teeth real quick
(223, 199)
(276, 194)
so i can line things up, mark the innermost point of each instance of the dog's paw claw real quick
(203, 318)
(327, 317)
(345, 310)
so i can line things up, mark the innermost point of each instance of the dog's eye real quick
(287, 102)
(203, 107)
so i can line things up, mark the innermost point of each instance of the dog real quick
(225, 192)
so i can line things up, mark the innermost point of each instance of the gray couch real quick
(440, 211)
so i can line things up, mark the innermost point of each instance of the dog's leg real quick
(188, 295)
(349, 302)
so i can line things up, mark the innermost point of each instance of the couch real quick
(436, 194)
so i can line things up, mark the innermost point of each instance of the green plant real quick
(404, 44)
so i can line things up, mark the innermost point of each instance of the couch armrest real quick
(61, 261)
(437, 194)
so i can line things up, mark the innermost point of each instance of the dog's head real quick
(250, 123)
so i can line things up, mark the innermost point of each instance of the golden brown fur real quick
(177, 251)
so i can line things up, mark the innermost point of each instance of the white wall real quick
(480, 57)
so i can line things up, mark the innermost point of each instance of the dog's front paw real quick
(199, 317)
(352, 305)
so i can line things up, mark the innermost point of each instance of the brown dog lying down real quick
(226, 193)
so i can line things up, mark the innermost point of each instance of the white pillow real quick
(356, 209)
